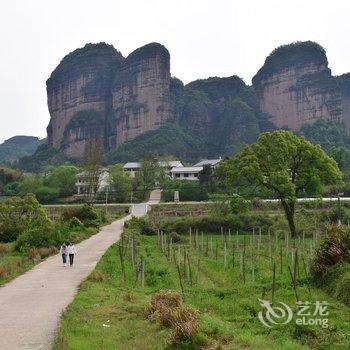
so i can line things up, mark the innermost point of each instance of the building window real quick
(185, 175)
(195, 175)
(177, 175)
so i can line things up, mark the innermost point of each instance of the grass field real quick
(13, 263)
(224, 284)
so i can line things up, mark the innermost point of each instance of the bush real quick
(37, 237)
(3, 271)
(83, 213)
(336, 282)
(19, 214)
(188, 191)
(175, 237)
(184, 324)
(75, 222)
(212, 224)
(166, 309)
(45, 194)
(239, 204)
(142, 224)
(161, 306)
(97, 276)
(4, 248)
(334, 249)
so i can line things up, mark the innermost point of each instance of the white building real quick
(133, 167)
(212, 162)
(84, 181)
(186, 173)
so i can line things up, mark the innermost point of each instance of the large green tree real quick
(286, 165)
(120, 184)
(63, 178)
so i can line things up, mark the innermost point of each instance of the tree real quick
(146, 178)
(7, 176)
(18, 214)
(205, 177)
(286, 165)
(91, 164)
(63, 179)
(120, 184)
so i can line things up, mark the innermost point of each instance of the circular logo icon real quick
(271, 315)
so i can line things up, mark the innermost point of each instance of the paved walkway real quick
(31, 305)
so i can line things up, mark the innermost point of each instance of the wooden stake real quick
(273, 282)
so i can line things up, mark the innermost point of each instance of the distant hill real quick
(18, 146)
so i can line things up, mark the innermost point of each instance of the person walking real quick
(63, 252)
(71, 252)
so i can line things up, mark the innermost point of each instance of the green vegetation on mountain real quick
(326, 134)
(221, 111)
(292, 55)
(100, 57)
(167, 140)
(18, 146)
(44, 156)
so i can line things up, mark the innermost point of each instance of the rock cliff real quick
(96, 92)
(79, 96)
(295, 86)
(140, 94)
(344, 85)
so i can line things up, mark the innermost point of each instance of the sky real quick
(205, 38)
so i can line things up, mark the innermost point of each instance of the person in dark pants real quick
(63, 252)
(71, 252)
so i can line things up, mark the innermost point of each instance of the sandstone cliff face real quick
(81, 83)
(295, 86)
(140, 95)
(95, 92)
(344, 85)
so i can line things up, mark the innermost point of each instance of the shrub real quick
(212, 224)
(33, 254)
(4, 248)
(19, 214)
(165, 308)
(97, 276)
(45, 252)
(239, 204)
(336, 282)
(83, 213)
(142, 224)
(188, 191)
(3, 272)
(161, 306)
(36, 238)
(175, 237)
(45, 194)
(75, 222)
(184, 324)
(334, 249)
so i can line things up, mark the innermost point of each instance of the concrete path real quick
(31, 305)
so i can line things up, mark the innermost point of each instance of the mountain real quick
(18, 146)
(136, 108)
(295, 86)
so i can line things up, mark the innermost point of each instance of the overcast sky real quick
(205, 38)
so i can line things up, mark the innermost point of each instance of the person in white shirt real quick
(64, 252)
(71, 252)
